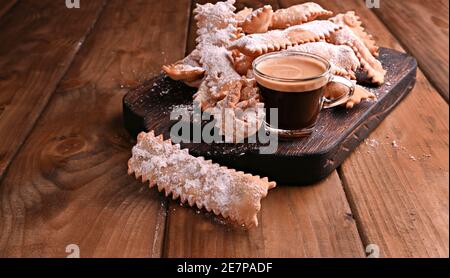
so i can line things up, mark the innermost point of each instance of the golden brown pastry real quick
(297, 14)
(199, 182)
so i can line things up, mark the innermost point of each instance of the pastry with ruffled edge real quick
(199, 182)
(298, 14)
(335, 90)
(369, 64)
(243, 14)
(217, 26)
(351, 20)
(241, 63)
(258, 21)
(258, 44)
(221, 79)
(188, 69)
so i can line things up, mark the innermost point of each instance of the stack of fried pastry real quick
(229, 41)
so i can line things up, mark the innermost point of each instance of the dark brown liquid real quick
(295, 110)
(298, 102)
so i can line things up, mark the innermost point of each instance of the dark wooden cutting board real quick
(298, 162)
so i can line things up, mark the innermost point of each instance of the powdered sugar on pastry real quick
(241, 63)
(224, 191)
(243, 14)
(218, 64)
(188, 69)
(298, 14)
(216, 26)
(370, 65)
(258, 21)
(258, 44)
(241, 122)
(222, 85)
(351, 20)
(341, 57)
(215, 16)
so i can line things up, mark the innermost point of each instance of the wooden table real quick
(63, 148)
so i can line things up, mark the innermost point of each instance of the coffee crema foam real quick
(292, 67)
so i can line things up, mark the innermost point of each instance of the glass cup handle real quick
(329, 103)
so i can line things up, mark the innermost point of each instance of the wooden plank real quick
(422, 28)
(69, 183)
(313, 221)
(397, 183)
(6, 5)
(39, 40)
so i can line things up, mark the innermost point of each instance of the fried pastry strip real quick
(297, 14)
(221, 80)
(241, 63)
(341, 57)
(335, 90)
(216, 26)
(257, 21)
(188, 69)
(351, 20)
(369, 64)
(210, 16)
(257, 44)
(234, 195)
(240, 118)
(243, 14)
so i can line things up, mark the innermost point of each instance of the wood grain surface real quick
(312, 221)
(35, 53)
(397, 183)
(422, 28)
(6, 5)
(69, 184)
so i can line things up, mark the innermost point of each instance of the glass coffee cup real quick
(294, 83)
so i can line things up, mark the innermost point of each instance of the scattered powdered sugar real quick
(181, 108)
(395, 145)
(372, 143)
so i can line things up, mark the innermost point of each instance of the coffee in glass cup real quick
(294, 83)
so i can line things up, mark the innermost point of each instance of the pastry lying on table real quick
(234, 195)
(220, 67)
